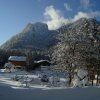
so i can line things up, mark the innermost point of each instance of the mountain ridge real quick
(37, 35)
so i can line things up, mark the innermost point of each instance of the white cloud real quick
(80, 15)
(85, 3)
(94, 14)
(67, 7)
(86, 15)
(55, 19)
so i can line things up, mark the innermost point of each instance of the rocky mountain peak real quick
(35, 35)
(38, 27)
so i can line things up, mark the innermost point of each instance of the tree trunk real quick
(97, 80)
(97, 77)
(92, 82)
(70, 80)
(70, 77)
(93, 77)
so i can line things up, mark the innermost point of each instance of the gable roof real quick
(17, 58)
(40, 61)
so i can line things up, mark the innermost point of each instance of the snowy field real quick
(32, 80)
(17, 90)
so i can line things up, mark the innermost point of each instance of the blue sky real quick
(16, 14)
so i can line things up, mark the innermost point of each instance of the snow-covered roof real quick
(41, 61)
(17, 58)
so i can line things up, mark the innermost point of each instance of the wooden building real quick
(18, 60)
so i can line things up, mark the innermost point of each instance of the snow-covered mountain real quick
(83, 26)
(34, 36)
(38, 37)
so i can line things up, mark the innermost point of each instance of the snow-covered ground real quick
(18, 78)
(33, 79)
(37, 90)
(89, 93)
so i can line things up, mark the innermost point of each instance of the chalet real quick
(42, 64)
(18, 61)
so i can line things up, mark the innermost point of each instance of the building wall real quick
(18, 63)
